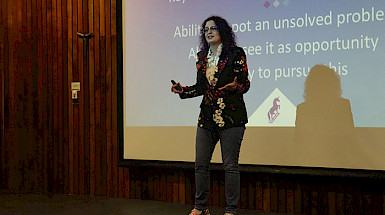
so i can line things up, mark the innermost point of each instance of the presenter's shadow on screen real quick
(324, 132)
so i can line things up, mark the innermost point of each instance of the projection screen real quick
(283, 40)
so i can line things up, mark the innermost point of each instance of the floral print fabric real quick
(221, 108)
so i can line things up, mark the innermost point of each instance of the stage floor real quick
(87, 205)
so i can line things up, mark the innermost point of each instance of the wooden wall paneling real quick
(281, 187)
(48, 150)
(132, 183)
(86, 105)
(38, 121)
(323, 198)
(266, 193)
(222, 200)
(55, 98)
(81, 101)
(61, 95)
(70, 101)
(273, 195)
(306, 197)
(258, 193)
(367, 204)
(2, 115)
(243, 202)
(108, 94)
(314, 198)
(332, 199)
(251, 191)
(298, 197)
(348, 199)
(91, 91)
(175, 186)
(182, 188)
(126, 174)
(189, 189)
(66, 96)
(150, 184)
(357, 200)
(15, 92)
(163, 186)
(4, 60)
(29, 98)
(340, 203)
(114, 97)
(106, 179)
(156, 186)
(98, 94)
(169, 187)
(289, 196)
(144, 184)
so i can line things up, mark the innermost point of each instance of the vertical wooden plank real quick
(258, 193)
(169, 187)
(273, 195)
(182, 188)
(290, 196)
(110, 172)
(150, 182)
(3, 44)
(332, 199)
(306, 197)
(114, 94)
(298, 197)
(86, 105)
(66, 93)
(54, 106)
(60, 119)
(266, 194)
(340, 199)
(244, 192)
(71, 170)
(222, 200)
(348, 199)
(82, 100)
(175, 187)
(189, 191)
(38, 120)
(97, 98)
(163, 187)
(281, 186)
(126, 173)
(86, 80)
(156, 186)
(250, 183)
(358, 200)
(106, 179)
(91, 91)
(323, 197)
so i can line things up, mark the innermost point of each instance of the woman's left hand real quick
(232, 86)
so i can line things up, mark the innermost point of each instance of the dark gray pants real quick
(206, 140)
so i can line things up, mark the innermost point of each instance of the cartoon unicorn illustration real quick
(273, 112)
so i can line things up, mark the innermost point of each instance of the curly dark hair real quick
(225, 32)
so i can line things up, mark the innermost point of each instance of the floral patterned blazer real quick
(221, 108)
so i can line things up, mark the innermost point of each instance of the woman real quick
(222, 80)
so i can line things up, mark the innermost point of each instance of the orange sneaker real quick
(199, 212)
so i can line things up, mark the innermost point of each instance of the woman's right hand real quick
(175, 90)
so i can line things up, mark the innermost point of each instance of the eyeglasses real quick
(212, 28)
